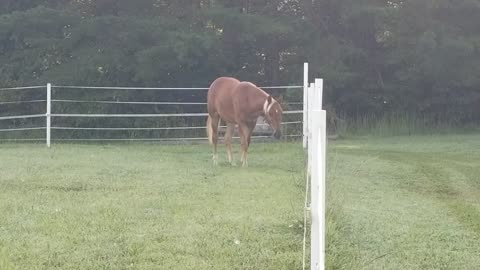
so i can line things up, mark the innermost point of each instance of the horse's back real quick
(224, 84)
(244, 89)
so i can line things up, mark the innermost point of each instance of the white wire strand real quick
(143, 139)
(21, 129)
(127, 88)
(141, 102)
(38, 139)
(282, 87)
(129, 102)
(161, 88)
(131, 115)
(147, 115)
(133, 139)
(22, 88)
(163, 139)
(22, 116)
(156, 128)
(120, 129)
(22, 101)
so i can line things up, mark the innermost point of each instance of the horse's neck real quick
(259, 101)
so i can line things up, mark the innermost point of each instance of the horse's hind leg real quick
(251, 127)
(244, 140)
(228, 141)
(214, 133)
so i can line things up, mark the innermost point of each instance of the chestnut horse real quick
(239, 103)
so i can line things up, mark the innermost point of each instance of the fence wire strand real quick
(21, 129)
(162, 88)
(22, 116)
(140, 102)
(155, 128)
(22, 101)
(22, 88)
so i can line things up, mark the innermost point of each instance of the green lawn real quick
(393, 203)
(405, 203)
(149, 207)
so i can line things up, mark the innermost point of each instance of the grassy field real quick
(394, 203)
(149, 207)
(405, 203)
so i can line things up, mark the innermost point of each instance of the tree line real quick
(377, 57)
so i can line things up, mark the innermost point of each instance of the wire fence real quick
(88, 113)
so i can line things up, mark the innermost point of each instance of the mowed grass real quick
(150, 206)
(404, 203)
(393, 203)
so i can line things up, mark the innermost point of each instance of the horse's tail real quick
(209, 129)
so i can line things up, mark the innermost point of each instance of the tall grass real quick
(395, 124)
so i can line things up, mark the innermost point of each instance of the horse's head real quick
(273, 115)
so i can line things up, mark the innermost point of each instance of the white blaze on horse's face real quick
(273, 114)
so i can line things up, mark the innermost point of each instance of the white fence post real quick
(319, 94)
(317, 145)
(305, 104)
(49, 113)
(310, 99)
(322, 169)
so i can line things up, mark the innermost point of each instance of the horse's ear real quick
(269, 99)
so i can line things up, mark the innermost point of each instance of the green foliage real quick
(377, 58)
